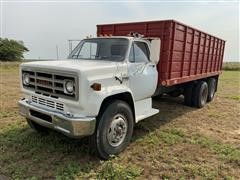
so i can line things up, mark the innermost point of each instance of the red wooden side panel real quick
(186, 53)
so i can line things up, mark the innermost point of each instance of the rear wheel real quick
(37, 127)
(175, 93)
(157, 97)
(200, 94)
(188, 94)
(211, 89)
(114, 130)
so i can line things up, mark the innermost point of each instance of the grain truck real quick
(106, 84)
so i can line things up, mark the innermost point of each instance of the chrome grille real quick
(59, 106)
(48, 103)
(50, 84)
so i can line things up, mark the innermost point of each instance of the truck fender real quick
(125, 96)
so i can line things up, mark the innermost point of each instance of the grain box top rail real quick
(161, 21)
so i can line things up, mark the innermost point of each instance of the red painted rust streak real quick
(220, 58)
(208, 54)
(222, 54)
(214, 44)
(190, 78)
(171, 53)
(146, 28)
(191, 53)
(113, 29)
(204, 48)
(216, 56)
(199, 45)
(160, 65)
(219, 54)
(184, 51)
(99, 30)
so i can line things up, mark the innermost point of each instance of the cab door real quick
(142, 73)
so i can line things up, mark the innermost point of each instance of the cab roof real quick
(115, 37)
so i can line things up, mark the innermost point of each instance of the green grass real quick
(225, 151)
(32, 147)
(171, 136)
(114, 170)
(168, 136)
(231, 66)
(10, 65)
(229, 85)
(178, 143)
(174, 136)
(73, 170)
(196, 170)
(234, 97)
(36, 149)
(4, 114)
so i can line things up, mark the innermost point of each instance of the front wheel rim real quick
(117, 130)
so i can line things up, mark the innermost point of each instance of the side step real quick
(143, 109)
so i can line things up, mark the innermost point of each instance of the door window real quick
(139, 52)
(88, 50)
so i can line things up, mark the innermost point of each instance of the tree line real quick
(11, 50)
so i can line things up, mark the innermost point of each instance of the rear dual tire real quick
(188, 90)
(212, 84)
(199, 93)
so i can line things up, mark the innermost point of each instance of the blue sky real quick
(43, 25)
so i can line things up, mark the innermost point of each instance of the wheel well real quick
(126, 97)
(204, 79)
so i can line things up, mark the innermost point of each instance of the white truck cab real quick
(102, 89)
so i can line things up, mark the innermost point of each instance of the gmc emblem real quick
(44, 82)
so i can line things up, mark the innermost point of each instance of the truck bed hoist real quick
(106, 84)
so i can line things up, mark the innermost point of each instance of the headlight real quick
(26, 79)
(69, 86)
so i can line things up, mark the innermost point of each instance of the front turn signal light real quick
(96, 86)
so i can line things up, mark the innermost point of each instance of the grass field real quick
(231, 66)
(178, 143)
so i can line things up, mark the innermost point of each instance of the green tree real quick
(11, 50)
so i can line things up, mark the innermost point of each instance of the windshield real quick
(112, 49)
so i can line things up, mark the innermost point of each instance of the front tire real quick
(114, 129)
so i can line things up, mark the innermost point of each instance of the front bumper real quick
(68, 125)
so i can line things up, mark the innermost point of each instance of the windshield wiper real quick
(75, 56)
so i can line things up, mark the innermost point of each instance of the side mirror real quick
(155, 45)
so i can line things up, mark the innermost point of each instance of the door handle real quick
(121, 78)
(152, 65)
(125, 77)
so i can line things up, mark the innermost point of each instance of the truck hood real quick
(71, 65)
